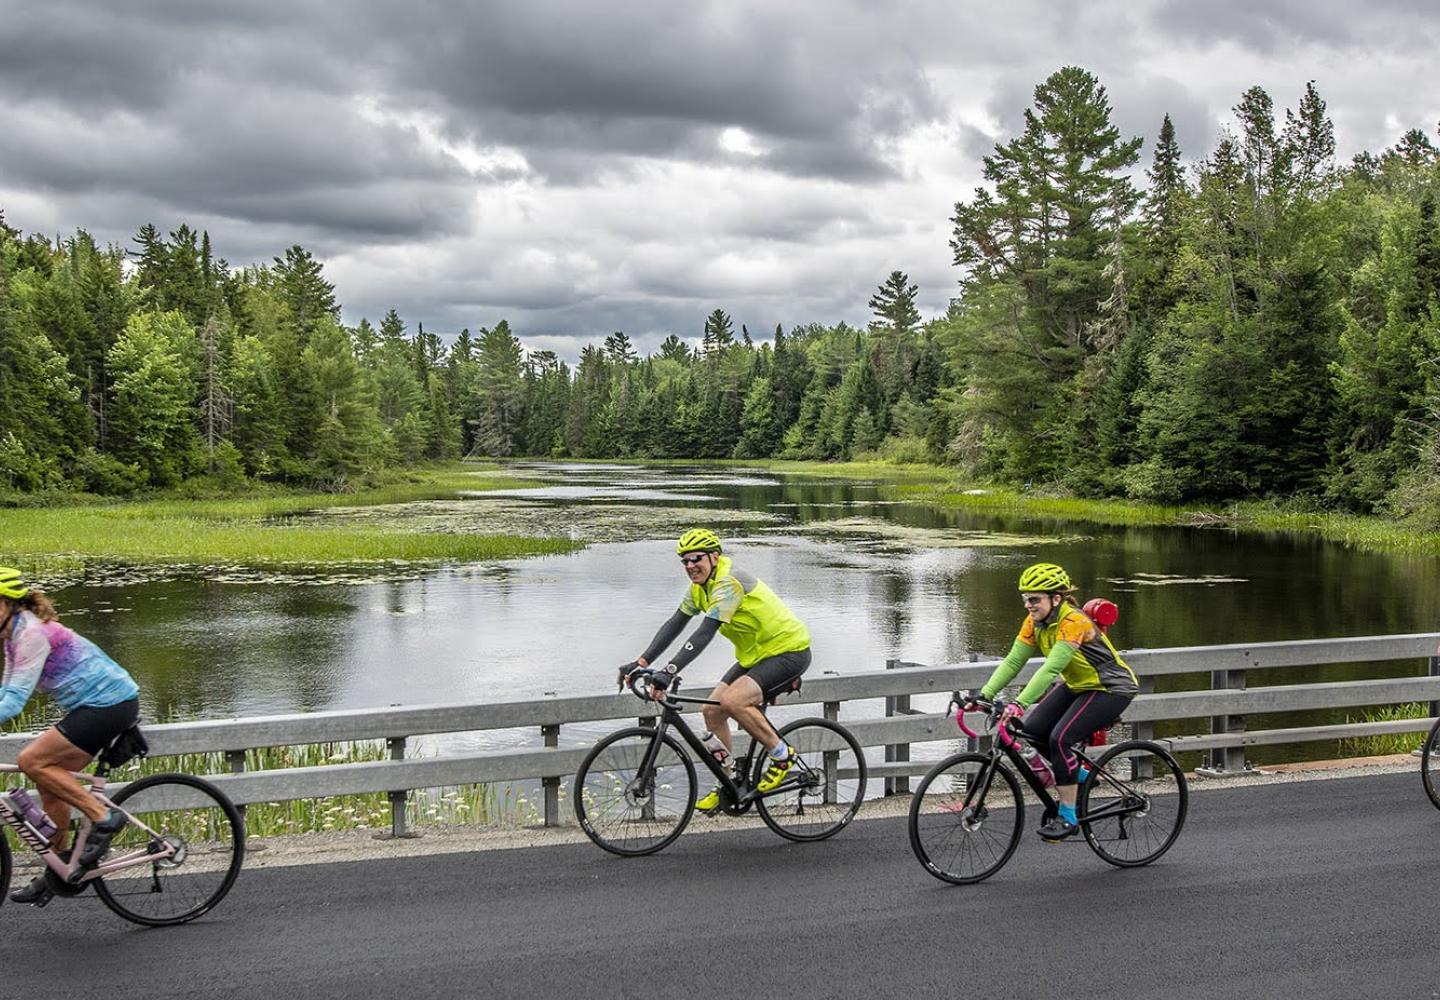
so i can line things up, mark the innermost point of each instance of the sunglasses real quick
(693, 558)
(1031, 601)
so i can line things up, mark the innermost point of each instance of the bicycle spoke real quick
(1133, 805)
(187, 847)
(825, 786)
(628, 808)
(964, 828)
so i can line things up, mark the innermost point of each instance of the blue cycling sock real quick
(781, 751)
(1067, 812)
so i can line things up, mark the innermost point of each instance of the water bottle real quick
(30, 811)
(1038, 765)
(715, 748)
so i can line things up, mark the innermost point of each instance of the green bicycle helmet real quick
(1045, 578)
(11, 585)
(698, 540)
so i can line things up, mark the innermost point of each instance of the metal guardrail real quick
(1226, 703)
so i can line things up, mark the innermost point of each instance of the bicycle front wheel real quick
(825, 786)
(207, 837)
(627, 812)
(1133, 804)
(966, 818)
(1430, 765)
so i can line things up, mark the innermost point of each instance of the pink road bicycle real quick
(176, 857)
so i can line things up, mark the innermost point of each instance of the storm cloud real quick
(581, 168)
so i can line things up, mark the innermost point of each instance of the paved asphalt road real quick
(1313, 890)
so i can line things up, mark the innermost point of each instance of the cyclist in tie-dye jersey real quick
(99, 698)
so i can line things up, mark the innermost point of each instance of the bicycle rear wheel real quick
(825, 786)
(1133, 804)
(964, 823)
(1430, 765)
(624, 814)
(208, 836)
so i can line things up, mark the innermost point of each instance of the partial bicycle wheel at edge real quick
(1133, 805)
(966, 818)
(208, 835)
(4, 868)
(619, 812)
(1430, 765)
(825, 786)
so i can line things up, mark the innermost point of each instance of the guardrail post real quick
(551, 737)
(396, 745)
(1227, 761)
(831, 711)
(236, 760)
(1143, 730)
(1435, 672)
(896, 704)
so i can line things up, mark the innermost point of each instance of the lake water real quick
(873, 579)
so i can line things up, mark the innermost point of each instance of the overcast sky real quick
(579, 167)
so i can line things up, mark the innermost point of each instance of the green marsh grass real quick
(264, 530)
(1385, 744)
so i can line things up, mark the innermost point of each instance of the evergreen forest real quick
(1132, 320)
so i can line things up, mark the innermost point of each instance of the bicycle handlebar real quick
(960, 699)
(643, 674)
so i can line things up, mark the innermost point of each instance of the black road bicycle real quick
(1430, 764)
(636, 789)
(968, 815)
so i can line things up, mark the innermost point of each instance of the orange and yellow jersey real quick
(1096, 666)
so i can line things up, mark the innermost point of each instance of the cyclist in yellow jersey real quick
(772, 649)
(1094, 685)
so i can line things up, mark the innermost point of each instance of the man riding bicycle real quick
(772, 650)
(1095, 684)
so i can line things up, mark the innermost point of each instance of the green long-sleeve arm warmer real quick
(1008, 668)
(1060, 656)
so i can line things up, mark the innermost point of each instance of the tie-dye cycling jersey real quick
(50, 658)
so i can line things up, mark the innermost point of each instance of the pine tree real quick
(894, 305)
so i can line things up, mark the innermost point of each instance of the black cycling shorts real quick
(774, 674)
(91, 729)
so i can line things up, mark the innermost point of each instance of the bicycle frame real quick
(741, 795)
(157, 849)
(1007, 744)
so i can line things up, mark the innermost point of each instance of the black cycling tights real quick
(1064, 718)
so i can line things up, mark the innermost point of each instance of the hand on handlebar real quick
(1005, 711)
(625, 670)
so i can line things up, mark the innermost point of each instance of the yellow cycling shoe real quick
(775, 773)
(711, 802)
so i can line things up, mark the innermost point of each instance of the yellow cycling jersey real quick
(749, 613)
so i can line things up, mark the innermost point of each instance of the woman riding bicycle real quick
(772, 649)
(101, 701)
(1096, 685)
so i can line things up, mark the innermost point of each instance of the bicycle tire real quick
(951, 833)
(606, 805)
(5, 868)
(1430, 764)
(825, 787)
(201, 821)
(1148, 797)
